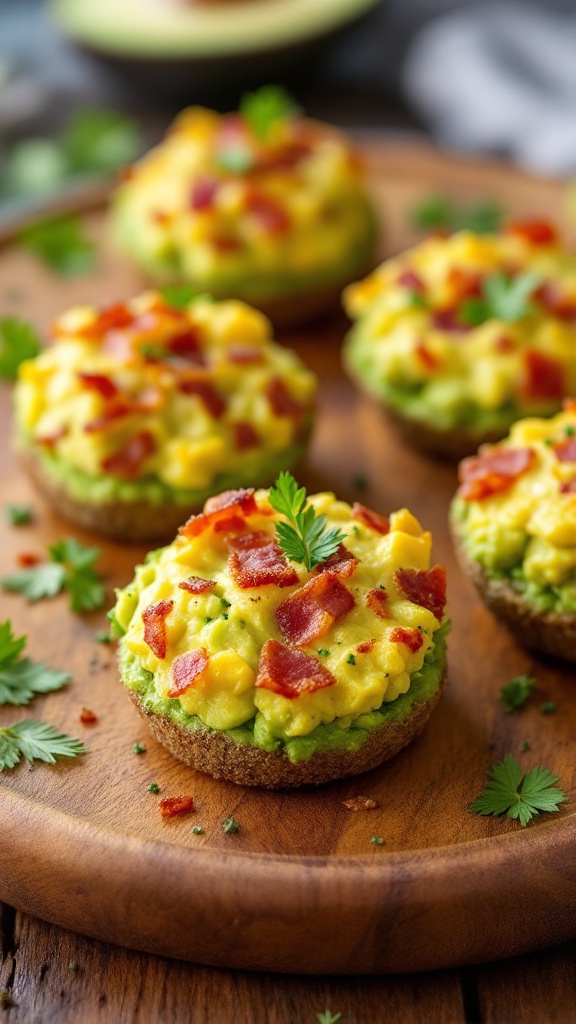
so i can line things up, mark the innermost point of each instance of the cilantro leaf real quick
(328, 1017)
(100, 140)
(18, 515)
(438, 213)
(515, 693)
(503, 298)
(71, 568)
(263, 109)
(20, 678)
(61, 244)
(18, 341)
(35, 741)
(522, 797)
(305, 538)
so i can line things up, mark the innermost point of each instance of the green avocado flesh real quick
(255, 472)
(341, 734)
(248, 282)
(437, 403)
(502, 556)
(157, 29)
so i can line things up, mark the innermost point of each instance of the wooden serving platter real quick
(300, 887)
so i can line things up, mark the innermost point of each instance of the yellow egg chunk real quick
(159, 401)
(237, 634)
(462, 335)
(515, 511)
(260, 204)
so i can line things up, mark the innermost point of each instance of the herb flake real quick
(61, 244)
(18, 341)
(515, 693)
(265, 108)
(71, 568)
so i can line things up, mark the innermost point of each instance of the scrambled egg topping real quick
(531, 521)
(232, 624)
(143, 390)
(215, 204)
(429, 328)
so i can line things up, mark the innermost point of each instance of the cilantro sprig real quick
(304, 538)
(18, 341)
(61, 244)
(263, 109)
(438, 213)
(20, 678)
(71, 568)
(503, 298)
(518, 796)
(35, 741)
(515, 693)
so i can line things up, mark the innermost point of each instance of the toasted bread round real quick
(452, 444)
(219, 755)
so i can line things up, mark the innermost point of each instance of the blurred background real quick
(495, 77)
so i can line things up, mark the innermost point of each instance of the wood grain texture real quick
(83, 845)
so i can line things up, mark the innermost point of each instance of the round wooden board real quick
(300, 887)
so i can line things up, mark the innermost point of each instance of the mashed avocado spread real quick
(469, 331)
(220, 630)
(515, 511)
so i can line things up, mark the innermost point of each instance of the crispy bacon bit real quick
(463, 284)
(204, 193)
(206, 393)
(425, 587)
(311, 610)
(538, 232)
(560, 305)
(413, 638)
(283, 158)
(426, 357)
(186, 344)
(569, 404)
(114, 411)
(27, 559)
(244, 355)
(87, 717)
(493, 471)
(98, 382)
(244, 436)
(230, 505)
(226, 243)
(381, 524)
(341, 563)
(281, 401)
(197, 585)
(128, 461)
(408, 279)
(376, 600)
(543, 376)
(154, 619)
(447, 320)
(187, 669)
(504, 344)
(271, 216)
(111, 319)
(290, 673)
(160, 217)
(565, 451)
(256, 560)
(366, 646)
(569, 486)
(170, 806)
(50, 440)
(360, 803)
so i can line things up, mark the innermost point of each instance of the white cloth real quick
(499, 77)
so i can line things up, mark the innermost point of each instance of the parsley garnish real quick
(198, 830)
(18, 341)
(61, 244)
(35, 741)
(548, 707)
(525, 746)
(323, 652)
(351, 660)
(20, 678)
(515, 693)
(437, 213)
(503, 298)
(71, 568)
(179, 296)
(509, 792)
(102, 636)
(153, 787)
(100, 140)
(139, 748)
(377, 841)
(304, 538)
(18, 515)
(230, 825)
(328, 1017)
(263, 109)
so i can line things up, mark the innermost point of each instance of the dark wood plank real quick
(538, 988)
(62, 978)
